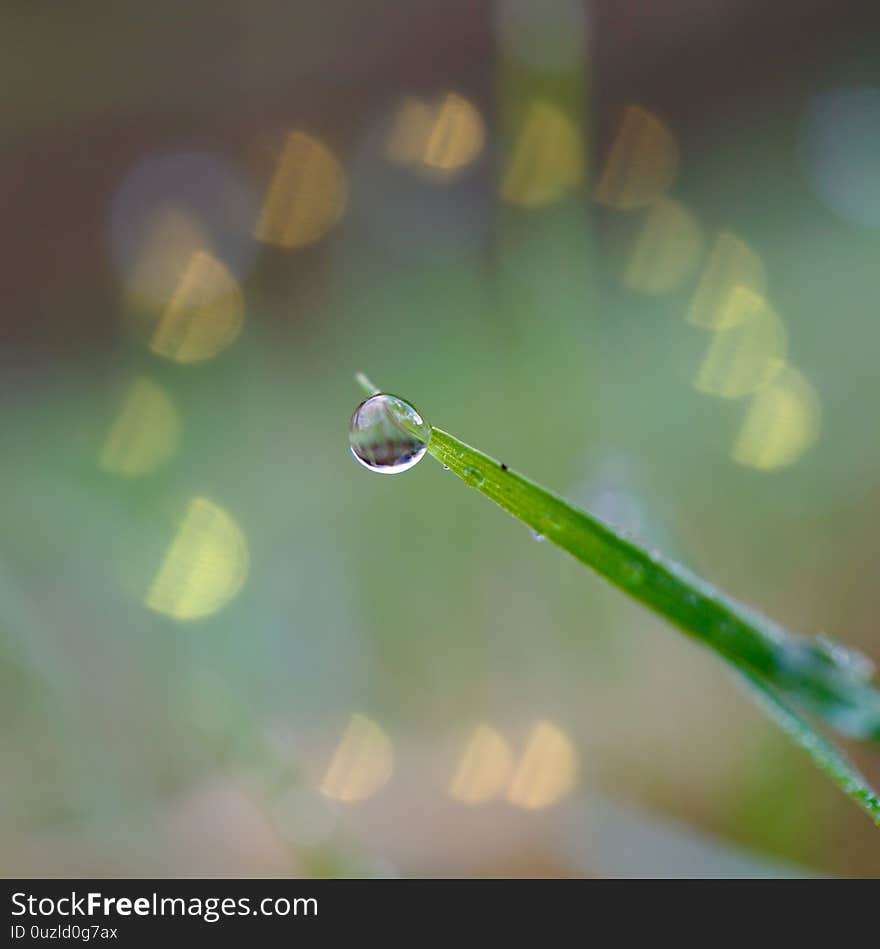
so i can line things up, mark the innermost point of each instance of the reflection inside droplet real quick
(387, 434)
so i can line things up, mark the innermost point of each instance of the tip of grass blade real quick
(366, 384)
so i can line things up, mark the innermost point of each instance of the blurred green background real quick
(632, 250)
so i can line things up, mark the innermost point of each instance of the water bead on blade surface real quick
(388, 435)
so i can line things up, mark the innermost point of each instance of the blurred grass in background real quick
(633, 254)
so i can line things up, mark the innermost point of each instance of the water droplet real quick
(387, 434)
(849, 660)
(446, 467)
(473, 477)
(538, 537)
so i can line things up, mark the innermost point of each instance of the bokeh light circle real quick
(840, 152)
(195, 199)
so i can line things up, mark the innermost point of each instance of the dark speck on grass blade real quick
(814, 674)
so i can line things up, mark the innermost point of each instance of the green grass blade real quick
(814, 673)
(825, 755)
(804, 668)
(366, 384)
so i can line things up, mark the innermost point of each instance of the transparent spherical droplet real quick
(387, 434)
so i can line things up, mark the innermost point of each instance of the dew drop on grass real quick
(538, 537)
(388, 435)
(473, 477)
